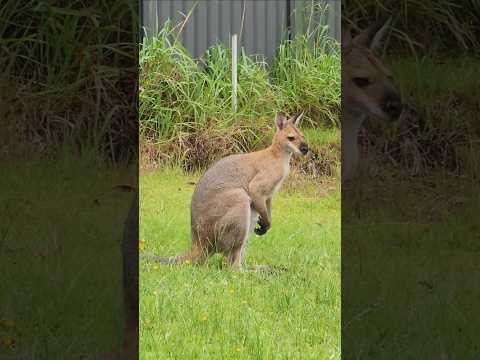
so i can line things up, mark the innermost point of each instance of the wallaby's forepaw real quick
(261, 229)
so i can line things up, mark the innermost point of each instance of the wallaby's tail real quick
(187, 258)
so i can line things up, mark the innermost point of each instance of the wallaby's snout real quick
(392, 106)
(304, 148)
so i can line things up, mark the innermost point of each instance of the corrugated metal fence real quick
(260, 24)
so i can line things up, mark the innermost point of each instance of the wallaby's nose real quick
(304, 149)
(393, 107)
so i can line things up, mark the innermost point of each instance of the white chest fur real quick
(286, 171)
(286, 166)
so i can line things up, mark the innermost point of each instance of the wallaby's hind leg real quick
(236, 258)
(233, 229)
(237, 238)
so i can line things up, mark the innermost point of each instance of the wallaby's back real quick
(231, 172)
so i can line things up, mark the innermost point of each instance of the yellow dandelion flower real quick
(232, 291)
(204, 318)
(156, 267)
(187, 262)
(238, 349)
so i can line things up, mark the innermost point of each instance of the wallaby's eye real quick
(291, 138)
(361, 82)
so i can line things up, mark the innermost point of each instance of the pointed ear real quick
(372, 36)
(346, 36)
(280, 120)
(296, 120)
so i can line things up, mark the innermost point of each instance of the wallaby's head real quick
(367, 87)
(288, 136)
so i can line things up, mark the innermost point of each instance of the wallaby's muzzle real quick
(393, 106)
(304, 149)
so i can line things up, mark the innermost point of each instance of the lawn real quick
(210, 312)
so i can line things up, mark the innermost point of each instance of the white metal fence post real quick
(234, 73)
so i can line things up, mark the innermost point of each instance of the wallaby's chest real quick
(282, 173)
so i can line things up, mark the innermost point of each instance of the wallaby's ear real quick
(346, 36)
(373, 36)
(280, 120)
(296, 119)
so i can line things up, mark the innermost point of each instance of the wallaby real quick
(236, 193)
(367, 89)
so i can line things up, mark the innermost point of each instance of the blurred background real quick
(409, 220)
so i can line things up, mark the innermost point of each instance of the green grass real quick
(409, 278)
(60, 239)
(322, 136)
(426, 79)
(68, 70)
(210, 312)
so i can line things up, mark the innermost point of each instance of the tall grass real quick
(185, 103)
(309, 80)
(177, 96)
(307, 69)
(420, 27)
(68, 75)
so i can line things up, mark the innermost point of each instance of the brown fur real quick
(236, 193)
